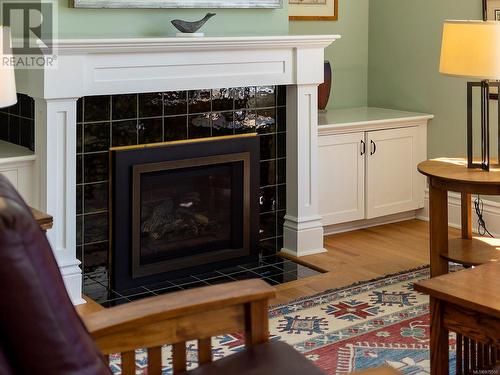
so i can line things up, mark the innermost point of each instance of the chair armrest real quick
(177, 316)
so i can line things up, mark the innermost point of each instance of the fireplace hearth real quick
(185, 207)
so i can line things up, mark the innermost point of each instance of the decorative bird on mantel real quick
(188, 28)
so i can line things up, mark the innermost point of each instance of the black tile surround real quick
(17, 122)
(270, 268)
(132, 119)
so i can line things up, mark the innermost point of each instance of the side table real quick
(465, 302)
(453, 175)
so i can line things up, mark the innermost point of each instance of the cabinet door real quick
(393, 183)
(341, 177)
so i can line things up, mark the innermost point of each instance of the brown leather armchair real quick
(41, 333)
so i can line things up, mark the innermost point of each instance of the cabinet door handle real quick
(374, 147)
(363, 147)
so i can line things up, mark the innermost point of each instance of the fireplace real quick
(182, 207)
(71, 179)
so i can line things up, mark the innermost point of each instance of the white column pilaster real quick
(303, 231)
(55, 183)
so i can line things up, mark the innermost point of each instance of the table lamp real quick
(472, 49)
(8, 94)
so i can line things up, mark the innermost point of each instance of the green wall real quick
(349, 55)
(119, 23)
(404, 49)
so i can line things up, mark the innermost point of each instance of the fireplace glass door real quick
(189, 212)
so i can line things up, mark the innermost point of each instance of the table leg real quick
(466, 216)
(439, 340)
(438, 222)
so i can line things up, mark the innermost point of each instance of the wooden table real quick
(453, 175)
(467, 303)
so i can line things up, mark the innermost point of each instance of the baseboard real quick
(367, 223)
(491, 213)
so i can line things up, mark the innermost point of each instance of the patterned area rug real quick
(361, 326)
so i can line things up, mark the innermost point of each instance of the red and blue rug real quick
(366, 325)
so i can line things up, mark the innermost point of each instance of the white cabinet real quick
(16, 163)
(393, 183)
(342, 175)
(368, 166)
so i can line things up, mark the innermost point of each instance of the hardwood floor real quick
(362, 255)
(355, 256)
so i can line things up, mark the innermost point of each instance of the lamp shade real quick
(471, 49)
(8, 95)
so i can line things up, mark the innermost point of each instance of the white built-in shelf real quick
(366, 118)
(10, 152)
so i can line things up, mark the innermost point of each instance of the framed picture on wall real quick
(491, 10)
(176, 3)
(313, 10)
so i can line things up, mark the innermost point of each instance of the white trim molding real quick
(131, 4)
(491, 213)
(368, 223)
(123, 66)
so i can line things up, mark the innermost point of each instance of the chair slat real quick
(467, 368)
(204, 351)
(128, 363)
(459, 353)
(480, 355)
(257, 323)
(154, 360)
(179, 357)
(473, 355)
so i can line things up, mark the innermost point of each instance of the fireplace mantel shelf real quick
(78, 46)
(87, 67)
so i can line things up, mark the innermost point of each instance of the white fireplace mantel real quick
(117, 66)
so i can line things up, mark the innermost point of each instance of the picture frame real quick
(491, 12)
(131, 4)
(313, 10)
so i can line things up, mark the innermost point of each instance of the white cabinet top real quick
(367, 118)
(10, 152)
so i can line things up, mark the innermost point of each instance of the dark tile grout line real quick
(272, 279)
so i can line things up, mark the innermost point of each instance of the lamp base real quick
(485, 163)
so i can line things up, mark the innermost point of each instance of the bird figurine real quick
(188, 28)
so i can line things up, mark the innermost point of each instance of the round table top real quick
(455, 170)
